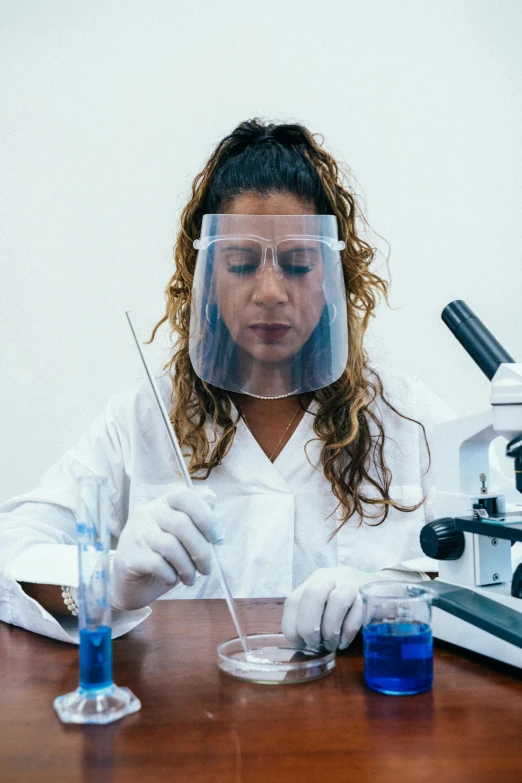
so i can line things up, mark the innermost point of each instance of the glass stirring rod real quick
(188, 482)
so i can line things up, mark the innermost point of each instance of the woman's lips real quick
(270, 332)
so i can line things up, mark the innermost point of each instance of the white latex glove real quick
(163, 542)
(327, 607)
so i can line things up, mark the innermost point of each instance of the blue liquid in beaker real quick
(398, 657)
(95, 658)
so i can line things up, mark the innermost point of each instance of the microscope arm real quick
(471, 535)
(461, 446)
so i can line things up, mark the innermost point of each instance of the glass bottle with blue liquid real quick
(97, 699)
(398, 645)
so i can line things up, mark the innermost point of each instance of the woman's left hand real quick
(327, 607)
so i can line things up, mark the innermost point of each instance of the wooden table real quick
(197, 724)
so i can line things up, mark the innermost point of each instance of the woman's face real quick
(269, 309)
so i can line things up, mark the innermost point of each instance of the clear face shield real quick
(268, 314)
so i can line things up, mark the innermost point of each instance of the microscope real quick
(478, 598)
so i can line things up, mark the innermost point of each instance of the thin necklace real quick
(282, 436)
(271, 397)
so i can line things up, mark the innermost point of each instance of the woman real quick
(312, 465)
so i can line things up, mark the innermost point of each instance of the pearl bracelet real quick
(70, 601)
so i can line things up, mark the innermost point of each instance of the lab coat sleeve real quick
(430, 411)
(38, 529)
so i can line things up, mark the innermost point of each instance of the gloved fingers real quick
(173, 551)
(192, 504)
(289, 622)
(339, 603)
(352, 623)
(207, 494)
(305, 609)
(149, 564)
(179, 526)
(312, 605)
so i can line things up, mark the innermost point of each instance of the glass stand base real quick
(96, 706)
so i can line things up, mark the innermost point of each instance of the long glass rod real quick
(188, 481)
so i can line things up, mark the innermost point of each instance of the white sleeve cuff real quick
(403, 575)
(416, 564)
(17, 608)
(46, 564)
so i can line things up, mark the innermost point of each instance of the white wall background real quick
(108, 109)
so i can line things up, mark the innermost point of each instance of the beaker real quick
(97, 699)
(398, 645)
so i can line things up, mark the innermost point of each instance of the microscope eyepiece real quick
(475, 338)
(456, 313)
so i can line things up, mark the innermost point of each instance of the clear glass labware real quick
(97, 699)
(398, 645)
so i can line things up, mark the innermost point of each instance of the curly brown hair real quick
(291, 160)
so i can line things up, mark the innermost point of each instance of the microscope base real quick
(451, 628)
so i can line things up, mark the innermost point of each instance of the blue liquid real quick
(95, 659)
(398, 657)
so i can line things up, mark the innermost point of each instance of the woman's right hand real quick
(164, 542)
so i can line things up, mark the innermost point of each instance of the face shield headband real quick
(268, 313)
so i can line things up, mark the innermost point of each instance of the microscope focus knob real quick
(441, 540)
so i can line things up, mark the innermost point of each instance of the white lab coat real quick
(277, 519)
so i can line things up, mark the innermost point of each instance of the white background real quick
(108, 110)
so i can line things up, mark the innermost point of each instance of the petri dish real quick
(273, 661)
